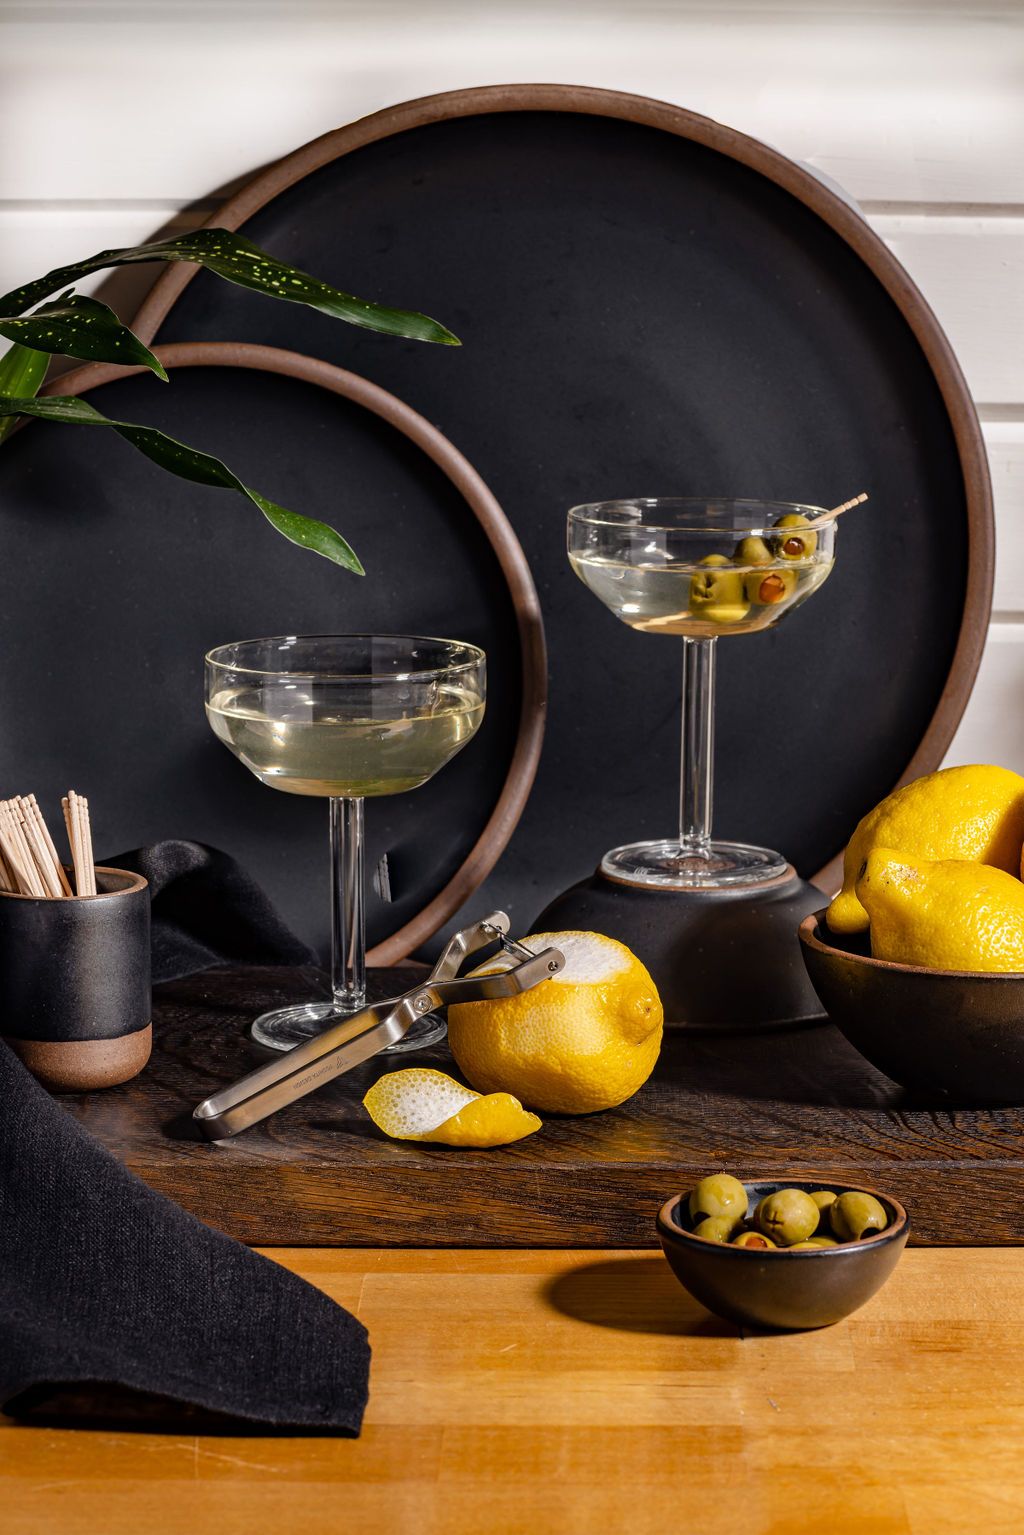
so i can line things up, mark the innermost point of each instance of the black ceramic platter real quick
(652, 304)
(116, 578)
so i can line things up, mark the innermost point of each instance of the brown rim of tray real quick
(793, 178)
(516, 572)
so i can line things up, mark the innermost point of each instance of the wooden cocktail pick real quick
(837, 511)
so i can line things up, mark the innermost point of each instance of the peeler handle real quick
(355, 1039)
(499, 983)
(467, 941)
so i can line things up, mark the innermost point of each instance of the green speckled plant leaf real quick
(77, 326)
(190, 464)
(240, 261)
(22, 370)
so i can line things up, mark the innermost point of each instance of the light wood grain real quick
(569, 1391)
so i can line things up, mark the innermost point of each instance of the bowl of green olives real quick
(952, 1034)
(789, 1256)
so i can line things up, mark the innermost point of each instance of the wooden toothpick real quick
(837, 511)
(40, 820)
(70, 808)
(37, 847)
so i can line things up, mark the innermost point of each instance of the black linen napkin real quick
(208, 911)
(116, 1306)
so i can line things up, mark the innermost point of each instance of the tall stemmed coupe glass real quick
(344, 717)
(699, 569)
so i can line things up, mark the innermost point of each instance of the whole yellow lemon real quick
(584, 1040)
(947, 915)
(972, 813)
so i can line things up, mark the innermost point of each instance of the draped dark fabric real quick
(208, 911)
(118, 1307)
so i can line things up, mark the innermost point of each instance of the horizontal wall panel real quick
(34, 240)
(992, 729)
(971, 271)
(1005, 443)
(897, 103)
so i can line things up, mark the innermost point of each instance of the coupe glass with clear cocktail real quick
(344, 717)
(699, 569)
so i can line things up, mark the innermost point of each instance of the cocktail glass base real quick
(285, 1027)
(672, 865)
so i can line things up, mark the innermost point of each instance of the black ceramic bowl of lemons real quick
(784, 1288)
(955, 1035)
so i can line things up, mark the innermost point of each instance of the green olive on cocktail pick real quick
(755, 1239)
(716, 591)
(720, 1194)
(752, 551)
(715, 1228)
(787, 1216)
(794, 546)
(769, 587)
(857, 1215)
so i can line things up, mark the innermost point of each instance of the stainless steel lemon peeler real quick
(353, 1040)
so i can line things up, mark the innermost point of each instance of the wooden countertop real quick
(554, 1391)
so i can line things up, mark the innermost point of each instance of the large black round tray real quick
(650, 304)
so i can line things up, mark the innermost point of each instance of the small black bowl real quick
(790, 1291)
(955, 1033)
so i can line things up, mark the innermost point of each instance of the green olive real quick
(812, 1243)
(719, 1194)
(753, 1239)
(823, 1198)
(752, 551)
(768, 587)
(787, 1216)
(718, 595)
(715, 1228)
(794, 546)
(857, 1215)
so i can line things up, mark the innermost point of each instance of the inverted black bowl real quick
(953, 1033)
(782, 1289)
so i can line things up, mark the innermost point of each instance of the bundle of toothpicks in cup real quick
(29, 861)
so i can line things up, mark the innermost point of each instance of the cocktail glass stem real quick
(348, 917)
(697, 748)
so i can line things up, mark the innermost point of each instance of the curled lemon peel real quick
(421, 1104)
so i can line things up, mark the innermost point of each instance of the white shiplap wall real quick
(121, 118)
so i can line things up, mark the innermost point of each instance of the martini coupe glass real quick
(699, 570)
(344, 717)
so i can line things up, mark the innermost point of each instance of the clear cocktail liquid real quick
(316, 738)
(700, 600)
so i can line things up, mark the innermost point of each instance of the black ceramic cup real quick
(75, 983)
